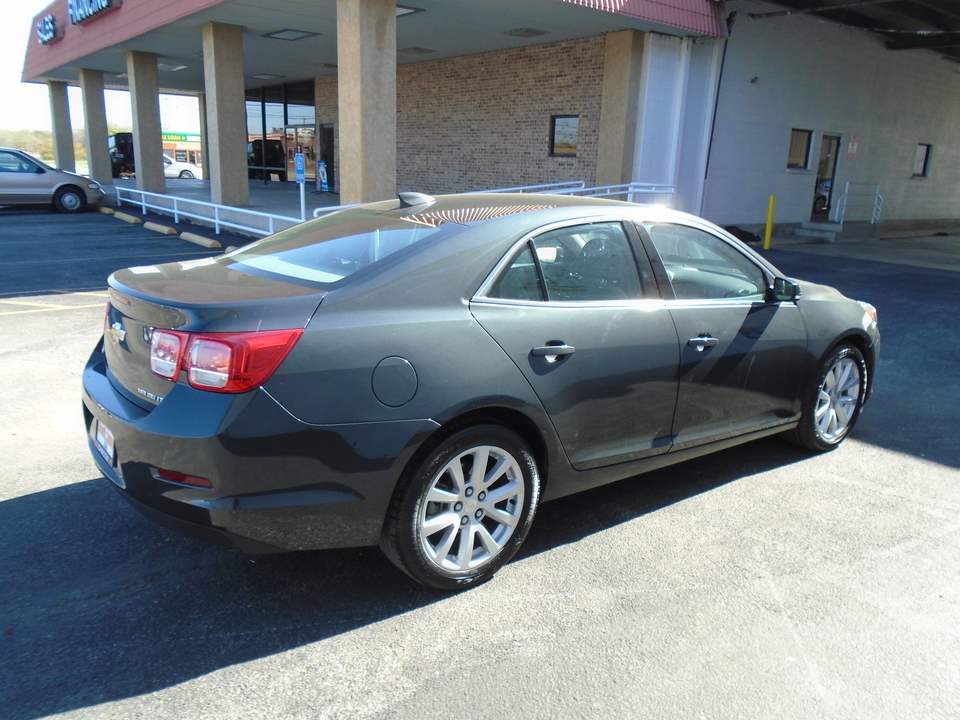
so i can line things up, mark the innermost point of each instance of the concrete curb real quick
(127, 218)
(162, 229)
(199, 240)
(107, 210)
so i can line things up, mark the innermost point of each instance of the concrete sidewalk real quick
(915, 248)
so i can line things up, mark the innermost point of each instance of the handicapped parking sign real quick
(300, 164)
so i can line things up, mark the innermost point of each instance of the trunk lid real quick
(196, 296)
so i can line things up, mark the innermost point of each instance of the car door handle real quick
(553, 350)
(703, 342)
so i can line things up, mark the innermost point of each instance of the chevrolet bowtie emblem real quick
(118, 332)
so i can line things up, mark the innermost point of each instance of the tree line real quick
(39, 143)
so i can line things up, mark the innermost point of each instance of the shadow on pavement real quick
(99, 604)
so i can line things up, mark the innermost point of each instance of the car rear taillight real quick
(166, 352)
(221, 362)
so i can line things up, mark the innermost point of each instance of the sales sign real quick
(47, 29)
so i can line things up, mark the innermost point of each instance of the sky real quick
(24, 106)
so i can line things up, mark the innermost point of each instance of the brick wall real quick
(483, 121)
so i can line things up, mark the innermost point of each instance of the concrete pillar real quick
(63, 154)
(225, 160)
(144, 82)
(367, 90)
(202, 98)
(95, 122)
(623, 63)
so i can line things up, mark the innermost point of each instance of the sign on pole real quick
(300, 164)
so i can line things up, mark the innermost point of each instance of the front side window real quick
(701, 266)
(581, 263)
(11, 162)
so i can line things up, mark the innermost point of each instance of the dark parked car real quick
(262, 165)
(122, 160)
(422, 373)
(24, 180)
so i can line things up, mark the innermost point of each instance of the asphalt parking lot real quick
(760, 582)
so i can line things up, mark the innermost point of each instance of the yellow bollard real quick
(769, 233)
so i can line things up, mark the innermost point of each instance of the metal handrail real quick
(628, 189)
(571, 185)
(317, 212)
(555, 187)
(874, 201)
(177, 209)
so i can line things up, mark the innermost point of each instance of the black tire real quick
(69, 199)
(832, 403)
(820, 204)
(186, 175)
(443, 529)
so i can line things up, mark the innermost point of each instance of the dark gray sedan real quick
(421, 373)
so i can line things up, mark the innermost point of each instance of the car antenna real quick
(410, 199)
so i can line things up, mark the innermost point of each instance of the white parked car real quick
(174, 169)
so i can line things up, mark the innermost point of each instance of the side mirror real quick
(785, 290)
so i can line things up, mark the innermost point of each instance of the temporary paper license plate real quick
(104, 441)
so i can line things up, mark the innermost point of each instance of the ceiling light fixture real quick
(168, 67)
(266, 76)
(288, 34)
(526, 32)
(403, 10)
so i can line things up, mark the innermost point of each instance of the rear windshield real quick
(332, 248)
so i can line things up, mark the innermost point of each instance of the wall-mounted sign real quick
(180, 137)
(47, 29)
(80, 11)
(852, 147)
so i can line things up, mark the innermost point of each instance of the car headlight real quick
(93, 185)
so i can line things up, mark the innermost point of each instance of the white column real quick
(95, 122)
(144, 81)
(63, 153)
(225, 161)
(367, 89)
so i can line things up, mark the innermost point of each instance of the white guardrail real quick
(217, 215)
(266, 223)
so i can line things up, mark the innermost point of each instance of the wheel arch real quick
(509, 418)
(864, 344)
(67, 186)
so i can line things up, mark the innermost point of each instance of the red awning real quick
(697, 16)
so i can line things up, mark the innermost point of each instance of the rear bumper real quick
(278, 484)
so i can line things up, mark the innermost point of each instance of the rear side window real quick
(582, 263)
(331, 249)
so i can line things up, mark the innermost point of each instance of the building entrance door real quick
(826, 173)
(300, 139)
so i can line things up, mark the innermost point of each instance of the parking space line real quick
(38, 308)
